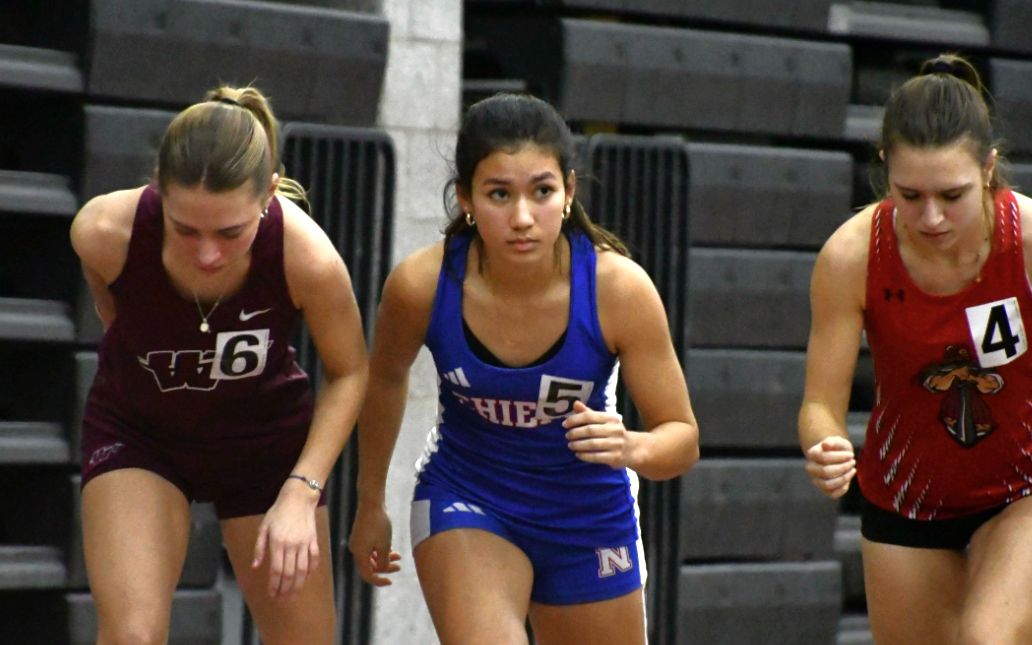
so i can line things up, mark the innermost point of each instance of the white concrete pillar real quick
(420, 110)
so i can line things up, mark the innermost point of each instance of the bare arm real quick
(635, 326)
(837, 292)
(401, 325)
(100, 236)
(320, 286)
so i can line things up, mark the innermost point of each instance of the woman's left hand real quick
(599, 437)
(288, 533)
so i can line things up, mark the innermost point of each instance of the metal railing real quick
(349, 175)
(637, 187)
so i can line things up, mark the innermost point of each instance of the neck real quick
(522, 280)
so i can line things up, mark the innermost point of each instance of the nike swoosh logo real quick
(245, 317)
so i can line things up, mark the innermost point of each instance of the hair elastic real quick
(943, 67)
(229, 101)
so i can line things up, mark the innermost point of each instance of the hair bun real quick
(942, 67)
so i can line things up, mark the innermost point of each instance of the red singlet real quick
(951, 430)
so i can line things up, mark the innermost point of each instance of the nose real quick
(932, 214)
(208, 253)
(522, 217)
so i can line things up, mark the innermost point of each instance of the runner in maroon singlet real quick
(199, 280)
(937, 276)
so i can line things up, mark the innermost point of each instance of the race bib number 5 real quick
(997, 332)
(557, 396)
(240, 354)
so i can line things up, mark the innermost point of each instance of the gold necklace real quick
(205, 327)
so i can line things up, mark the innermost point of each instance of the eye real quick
(544, 190)
(186, 232)
(910, 197)
(952, 197)
(498, 194)
(231, 234)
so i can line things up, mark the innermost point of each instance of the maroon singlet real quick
(223, 414)
(951, 430)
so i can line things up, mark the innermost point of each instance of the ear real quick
(465, 203)
(272, 188)
(881, 155)
(990, 164)
(571, 186)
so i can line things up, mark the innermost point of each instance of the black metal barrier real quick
(637, 187)
(349, 176)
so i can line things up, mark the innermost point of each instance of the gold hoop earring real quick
(469, 220)
(566, 213)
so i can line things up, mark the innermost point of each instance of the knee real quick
(988, 630)
(133, 633)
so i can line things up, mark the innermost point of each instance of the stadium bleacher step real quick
(750, 298)
(39, 69)
(671, 77)
(28, 442)
(1010, 22)
(121, 148)
(36, 193)
(856, 425)
(780, 603)
(196, 618)
(847, 552)
(854, 629)
(1011, 82)
(891, 21)
(754, 509)
(31, 567)
(863, 123)
(35, 320)
(759, 196)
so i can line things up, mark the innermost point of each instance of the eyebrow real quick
(191, 228)
(504, 181)
(944, 190)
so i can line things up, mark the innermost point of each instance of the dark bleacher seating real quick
(680, 78)
(893, 21)
(777, 603)
(766, 197)
(1010, 22)
(1011, 82)
(750, 298)
(317, 64)
(754, 509)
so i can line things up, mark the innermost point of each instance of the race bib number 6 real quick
(240, 354)
(997, 332)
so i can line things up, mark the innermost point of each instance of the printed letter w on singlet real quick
(612, 560)
(188, 369)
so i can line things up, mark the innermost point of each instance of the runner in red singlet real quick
(937, 276)
(200, 280)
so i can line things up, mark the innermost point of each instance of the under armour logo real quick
(889, 293)
(464, 507)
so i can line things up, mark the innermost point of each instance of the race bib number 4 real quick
(240, 354)
(997, 332)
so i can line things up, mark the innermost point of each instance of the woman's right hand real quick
(831, 465)
(370, 544)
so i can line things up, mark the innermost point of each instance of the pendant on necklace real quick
(204, 327)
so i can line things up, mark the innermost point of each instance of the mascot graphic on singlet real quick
(963, 381)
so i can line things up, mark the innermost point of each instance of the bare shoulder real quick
(101, 231)
(841, 267)
(413, 283)
(312, 265)
(619, 277)
(629, 307)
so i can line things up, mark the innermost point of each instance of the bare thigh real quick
(914, 596)
(136, 525)
(998, 603)
(477, 587)
(309, 618)
(618, 621)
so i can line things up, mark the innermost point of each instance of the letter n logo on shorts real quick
(612, 560)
